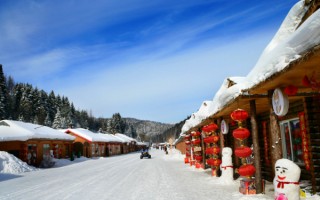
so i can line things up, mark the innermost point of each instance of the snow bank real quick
(13, 165)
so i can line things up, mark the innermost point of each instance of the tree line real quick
(23, 102)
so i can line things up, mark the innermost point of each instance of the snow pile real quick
(173, 154)
(13, 165)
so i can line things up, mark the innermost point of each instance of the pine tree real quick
(3, 96)
(57, 123)
(117, 125)
(47, 121)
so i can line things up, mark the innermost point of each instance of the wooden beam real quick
(275, 135)
(256, 148)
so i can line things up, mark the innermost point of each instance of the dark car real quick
(145, 153)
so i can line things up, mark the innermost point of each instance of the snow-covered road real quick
(122, 177)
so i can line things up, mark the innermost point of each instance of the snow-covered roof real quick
(11, 130)
(88, 135)
(125, 138)
(288, 44)
(112, 138)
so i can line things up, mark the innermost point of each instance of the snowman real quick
(226, 166)
(286, 180)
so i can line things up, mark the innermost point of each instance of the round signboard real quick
(224, 127)
(280, 103)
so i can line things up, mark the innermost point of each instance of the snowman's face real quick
(226, 151)
(281, 172)
(286, 170)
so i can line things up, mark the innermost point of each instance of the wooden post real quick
(275, 135)
(256, 148)
(221, 136)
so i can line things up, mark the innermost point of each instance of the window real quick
(291, 140)
(46, 151)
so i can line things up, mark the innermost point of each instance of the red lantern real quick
(188, 154)
(243, 152)
(291, 90)
(214, 162)
(241, 133)
(195, 133)
(187, 137)
(211, 139)
(247, 170)
(213, 150)
(198, 158)
(210, 127)
(197, 141)
(239, 115)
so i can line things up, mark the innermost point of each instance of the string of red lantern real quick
(241, 134)
(212, 150)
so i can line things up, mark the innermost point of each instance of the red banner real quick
(265, 141)
(305, 141)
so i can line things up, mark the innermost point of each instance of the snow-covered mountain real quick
(145, 127)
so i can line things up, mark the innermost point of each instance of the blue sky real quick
(156, 60)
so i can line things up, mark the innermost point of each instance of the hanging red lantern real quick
(239, 115)
(291, 90)
(198, 158)
(188, 154)
(241, 133)
(195, 133)
(213, 150)
(187, 137)
(195, 142)
(243, 152)
(247, 170)
(210, 128)
(214, 162)
(211, 139)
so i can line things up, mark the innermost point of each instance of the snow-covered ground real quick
(120, 177)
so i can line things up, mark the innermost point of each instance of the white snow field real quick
(123, 177)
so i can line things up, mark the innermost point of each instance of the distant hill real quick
(145, 127)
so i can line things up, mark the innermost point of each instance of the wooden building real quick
(281, 95)
(88, 144)
(33, 143)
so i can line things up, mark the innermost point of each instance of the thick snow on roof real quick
(88, 135)
(112, 138)
(125, 138)
(20, 131)
(288, 44)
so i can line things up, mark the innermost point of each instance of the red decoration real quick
(239, 115)
(247, 170)
(211, 139)
(187, 142)
(265, 142)
(213, 150)
(306, 81)
(197, 141)
(210, 128)
(187, 137)
(198, 158)
(305, 142)
(241, 133)
(195, 133)
(291, 90)
(243, 152)
(214, 162)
